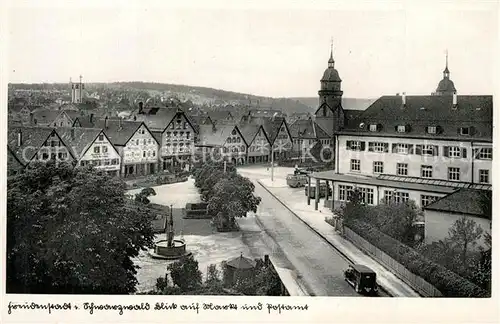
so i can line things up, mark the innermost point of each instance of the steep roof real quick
(422, 111)
(308, 129)
(32, 138)
(119, 131)
(78, 139)
(271, 125)
(220, 115)
(158, 121)
(464, 201)
(326, 124)
(45, 116)
(446, 86)
(215, 136)
(241, 263)
(249, 131)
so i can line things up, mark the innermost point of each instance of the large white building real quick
(412, 147)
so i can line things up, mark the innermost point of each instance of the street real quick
(319, 264)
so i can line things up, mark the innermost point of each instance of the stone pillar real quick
(122, 170)
(316, 195)
(327, 191)
(333, 196)
(308, 190)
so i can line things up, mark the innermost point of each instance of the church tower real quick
(77, 91)
(445, 86)
(330, 95)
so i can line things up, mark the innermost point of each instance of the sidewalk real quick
(296, 201)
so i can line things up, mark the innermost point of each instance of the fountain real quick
(169, 249)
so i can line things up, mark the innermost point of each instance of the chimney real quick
(91, 119)
(455, 101)
(19, 138)
(403, 98)
(72, 133)
(141, 105)
(31, 118)
(266, 259)
(106, 122)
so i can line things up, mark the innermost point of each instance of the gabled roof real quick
(249, 132)
(119, 132)
(159, 121)
(45, 116)
(220, 115)
(217, 136)
(307, 129)
(422, 111)
(79, 139)
(271, 125)
(326, 124)
(241, 263)
(464, 201)
(32, 138)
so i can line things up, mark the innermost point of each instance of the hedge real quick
(447, 282)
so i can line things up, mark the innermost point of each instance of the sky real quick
(272, 49)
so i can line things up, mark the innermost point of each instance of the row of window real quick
(174, 134)
(144, 141)
(179, 125)
(345, 194)
(234, 149)
(485, 153)
(233, 140)
(53, 156)
(100, 162)
(100, 149)
(426, 171)
(179, 144)
(465, 131)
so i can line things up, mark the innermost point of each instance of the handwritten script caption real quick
(94, 308)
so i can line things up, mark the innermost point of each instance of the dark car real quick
(362, 278)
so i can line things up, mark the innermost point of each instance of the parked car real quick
(362, 278)
(296, 180)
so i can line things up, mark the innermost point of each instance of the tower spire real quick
(446, 72)
(331, 61)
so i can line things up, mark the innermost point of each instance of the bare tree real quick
(464, 233)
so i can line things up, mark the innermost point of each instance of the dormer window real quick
(373, 128)
(401, 129)
(431, 129)
(466, 131)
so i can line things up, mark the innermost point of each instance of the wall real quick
(438, 223)
(178, 137)
(439, 163)
(260, 145)
(62, 121)
(107, 159)
(379, 194)
(53, 149)
(283, 141)
(142, 141)
(235, 146)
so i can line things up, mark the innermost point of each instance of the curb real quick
(314, 230)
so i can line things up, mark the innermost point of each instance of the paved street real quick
(320, 265)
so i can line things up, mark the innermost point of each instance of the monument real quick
(169, 249)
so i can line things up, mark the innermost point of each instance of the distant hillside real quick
(198, 96)
(202, 96)
(347, 103)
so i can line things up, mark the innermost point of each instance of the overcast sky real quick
(269, 50)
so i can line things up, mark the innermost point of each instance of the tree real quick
(396, 219)
(213, 277)
(72, 230)
(185, 273)
(232, 197)
(142, 196)
(464, 234)
(354, 208)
